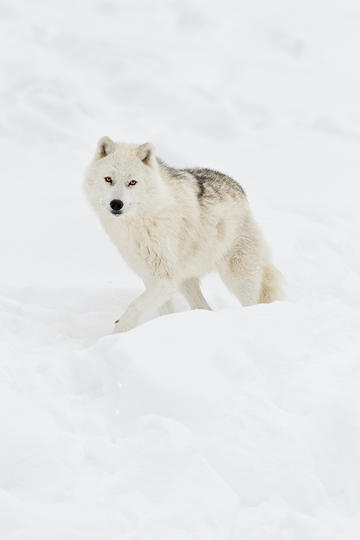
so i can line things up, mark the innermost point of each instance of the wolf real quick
(172, 226)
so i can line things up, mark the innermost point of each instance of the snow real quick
(240, 423)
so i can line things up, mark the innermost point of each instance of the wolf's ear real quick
(146, 152)
(104, 147)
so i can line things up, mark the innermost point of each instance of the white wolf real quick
(174, 225)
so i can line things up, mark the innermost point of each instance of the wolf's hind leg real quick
(192, 293)
(167, 308)
(272, 286)
(251, 282)
(243, 281)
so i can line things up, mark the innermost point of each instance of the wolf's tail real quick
(272, 287)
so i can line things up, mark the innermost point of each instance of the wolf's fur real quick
(175, 226)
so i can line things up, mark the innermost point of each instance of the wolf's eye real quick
(108, 179)
(132, 183)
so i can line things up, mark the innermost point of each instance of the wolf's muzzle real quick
(116, 205)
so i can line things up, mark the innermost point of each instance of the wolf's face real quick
(122, 178)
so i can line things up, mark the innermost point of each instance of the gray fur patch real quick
(200, 183)
(212, 185)
(215, 185)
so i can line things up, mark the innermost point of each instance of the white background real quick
(236, 424)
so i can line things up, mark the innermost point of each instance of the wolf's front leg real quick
(150, 300)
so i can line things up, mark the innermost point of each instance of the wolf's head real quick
(123, 179)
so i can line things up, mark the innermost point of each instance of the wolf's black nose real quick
(116, 205)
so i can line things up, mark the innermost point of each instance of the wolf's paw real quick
(122, 325)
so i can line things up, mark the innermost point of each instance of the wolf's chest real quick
(147, 250)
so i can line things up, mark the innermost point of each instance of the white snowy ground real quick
(236, 424)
